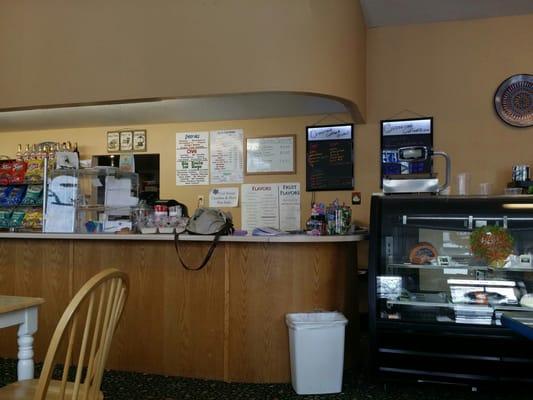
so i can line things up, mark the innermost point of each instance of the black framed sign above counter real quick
(329, 157)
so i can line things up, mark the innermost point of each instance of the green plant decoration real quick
(491, 243)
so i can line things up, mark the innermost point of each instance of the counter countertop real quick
(358, 236)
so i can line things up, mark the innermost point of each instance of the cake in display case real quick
(443, 270)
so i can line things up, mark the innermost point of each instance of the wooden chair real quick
(100, 302)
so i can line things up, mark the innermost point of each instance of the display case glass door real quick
(455, 265)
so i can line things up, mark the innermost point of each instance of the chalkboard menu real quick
(329, 157)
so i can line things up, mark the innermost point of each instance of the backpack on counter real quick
(205, 221)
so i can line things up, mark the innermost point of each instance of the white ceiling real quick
(403, 12)
(246, 106)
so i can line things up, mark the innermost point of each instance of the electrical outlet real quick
(200, 201)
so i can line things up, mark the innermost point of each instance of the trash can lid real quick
(314, 320)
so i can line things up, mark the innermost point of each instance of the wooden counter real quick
(225, 322)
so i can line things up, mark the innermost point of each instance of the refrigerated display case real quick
(443, 270)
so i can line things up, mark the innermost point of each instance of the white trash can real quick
(316, 343)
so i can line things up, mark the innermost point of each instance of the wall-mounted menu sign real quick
(396, 134)
(329, 157)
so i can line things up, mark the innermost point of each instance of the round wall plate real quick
(514, 100)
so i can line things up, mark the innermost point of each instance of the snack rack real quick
(23, 200)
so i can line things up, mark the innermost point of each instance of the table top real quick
(15, 303)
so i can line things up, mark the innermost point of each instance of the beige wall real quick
(446, 70)
(449, 71)
(64, 52)
(161, 139)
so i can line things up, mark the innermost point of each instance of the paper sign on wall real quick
(192, 158)
(289, 206)
(275, 205)
(224, 197)
(226, 156)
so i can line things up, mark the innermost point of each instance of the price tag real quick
(455, 271)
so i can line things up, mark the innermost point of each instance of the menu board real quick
(329, 158)
(402, 133)
(270, 155)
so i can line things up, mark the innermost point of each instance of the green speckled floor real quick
(132, 386)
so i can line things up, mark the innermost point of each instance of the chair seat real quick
(25, 390)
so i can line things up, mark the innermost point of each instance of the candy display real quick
(316, 224)
(338, 218)
(334, 219)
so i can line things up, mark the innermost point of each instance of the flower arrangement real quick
(491, 243)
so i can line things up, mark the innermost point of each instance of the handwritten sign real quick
(192, 158)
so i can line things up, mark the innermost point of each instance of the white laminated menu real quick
(259, 206)
(273, 205)
(226, 156)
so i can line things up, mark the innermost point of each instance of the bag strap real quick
(207, 256)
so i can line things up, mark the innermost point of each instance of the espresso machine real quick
(416, 183)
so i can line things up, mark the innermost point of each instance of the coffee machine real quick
(416, 183)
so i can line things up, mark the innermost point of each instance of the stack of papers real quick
(267, 231)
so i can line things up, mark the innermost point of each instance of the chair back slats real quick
(107, 334)
(81, 358)
(68, 357)
(92, 353)
(100, 302)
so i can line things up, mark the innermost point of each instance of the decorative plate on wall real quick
(514, 100)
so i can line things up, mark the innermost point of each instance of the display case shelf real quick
(459, 268)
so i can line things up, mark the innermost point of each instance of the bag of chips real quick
(5, 217)
(18, 171)
(16, 219)
(35, 170)
(5, 172)
(14, 197)
(4, 194)
(33, 220)
(33, 196)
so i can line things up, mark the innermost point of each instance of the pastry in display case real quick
(444, 270)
